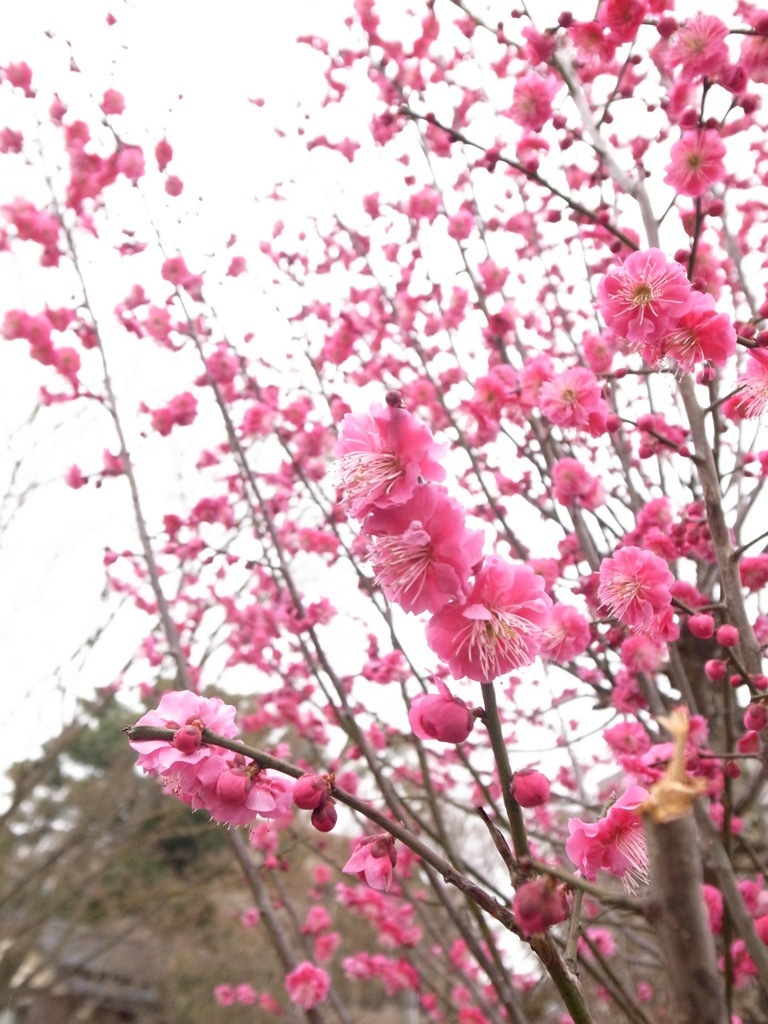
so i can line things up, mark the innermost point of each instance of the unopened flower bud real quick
(702, 625)
(324, 815)
(530, 788)
(749, 743)
(727, 636)
(310, 791)
(232, 787)
(188, 738)
(756, 717)
(714, 669)
(538, 905)
(666, 27)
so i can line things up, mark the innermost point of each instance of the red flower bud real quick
(324, 815)
(232, 787)
(530, 788)
(749, 743)
(310, 791)
(715, 670)
(727, 636)
(702, 626)
(666, 27)
(440, 716)
(538, 905)
(188, 738)
(756, 717)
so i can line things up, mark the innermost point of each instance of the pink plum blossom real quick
(499, 628)
(615, 843)
(112, 102)
(699, 47)
(566, 636)
(372, 860)
(635, 585)
(754, 384)
(622, 18)
(573, 485)
(235, 792)
(644, 297)
(696, 163)
(245, 994)
(224, 995)
(184, 711)
(381, 455)
(532, 101)
(422, 551)
(700, 335)
(163, 154)
(307, 985)
(317, 920)
(573, 399)
(627, 738)
(440, 716)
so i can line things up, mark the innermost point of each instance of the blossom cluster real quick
(235, 791)
(648, 301)
(487, 615)
(232, 790)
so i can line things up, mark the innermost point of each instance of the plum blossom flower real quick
(699, 47)
(635, 585)
(574, 485)
(307, 985)
(499, 628)
(246, 994)
(235, 792)
(573, 399)
(372, 860)
(615, 843)
(700, 335)
(440, 716)
(622, 18)
(754, 384)
(188, 713)
(422, 552)
(112, 102)
(644, 297)
(696, 162)
(627, 738)
(224, 995)
(566, 636)
(381, 455)
(532, 101)
(754, 51)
